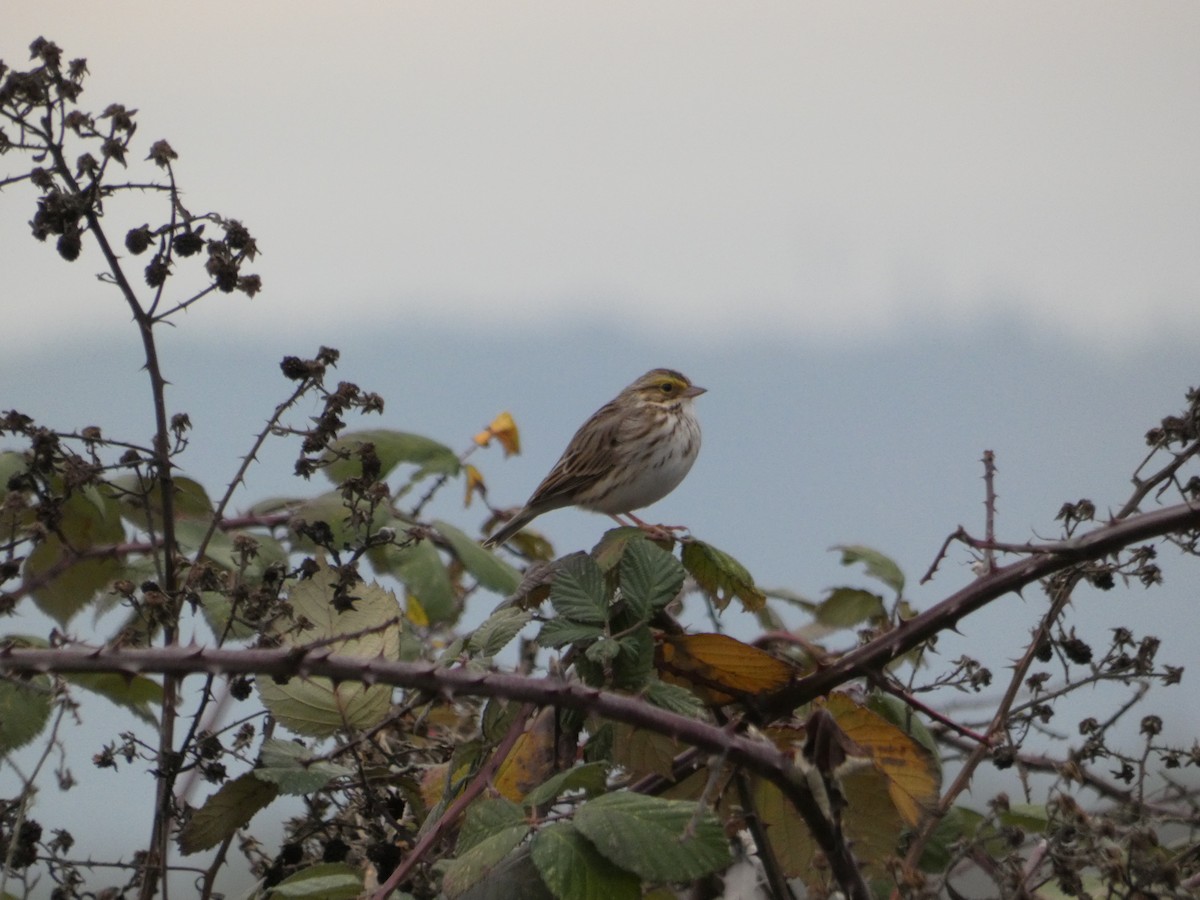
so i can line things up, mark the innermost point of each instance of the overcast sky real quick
(886, 236)
(815, 169)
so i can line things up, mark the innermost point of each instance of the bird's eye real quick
(667, 387)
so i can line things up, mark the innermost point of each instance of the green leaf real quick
(642, 751)
(477, 863)
(331, 509)
(424, 574)
(590, 778)
(958, 824)
(497, 630)
(1092, 884)
(846, 607)
(603, 651)
(674, 698)
(136, 693)
(190, 532)
(89, 520)
(230, 808)
(626, 663)
(221, 548)
(902, 716)
(578, 592)
(217, 608)
(324, 881)
(515, 878)
(25, 704)
(273, 505)
(11, 463)
(721, 576)
(138, 496)
(650, 578)
(316, 706)
(487, 818)
(574, 870)
(658, 840)
(610, 550)
(1029, 816)
(497, 716)
(64, 595)
(392, 448)
(291, 768)
(487, 568)
(16, 517)
(632, 667)
(878, 566)
(559, 633)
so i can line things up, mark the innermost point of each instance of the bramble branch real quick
(910, 634)
(762, 758)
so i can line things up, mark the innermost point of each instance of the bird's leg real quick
(657, 532)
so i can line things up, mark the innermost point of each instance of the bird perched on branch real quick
(631, 453)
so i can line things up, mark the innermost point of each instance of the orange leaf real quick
(718, 668)
(474, 483)
(913, 779)
(504, 430)
(874, 785)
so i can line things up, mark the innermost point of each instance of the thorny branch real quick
(759, 757)
(909, 634)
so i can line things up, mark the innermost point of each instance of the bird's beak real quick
(693, 391)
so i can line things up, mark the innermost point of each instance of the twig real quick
(966, 773)
(909, 699)
(758, 833)
(239, 476)
(908, 635)
(989, 504)
(481, 780)
(1142, 487)
(959, 534)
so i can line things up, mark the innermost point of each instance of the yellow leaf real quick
(718, 668)
(415, 612)
(504, 430)
(531, 760)
(913, 778)
(886, 781)
(790, 838)
(474, 483)
(872, 826)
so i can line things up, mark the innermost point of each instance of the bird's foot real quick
(654, 532)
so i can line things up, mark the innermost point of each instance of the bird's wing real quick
(589, 457)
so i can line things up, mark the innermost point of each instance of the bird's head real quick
(664, 387)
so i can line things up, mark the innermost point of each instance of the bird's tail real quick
(511, 527)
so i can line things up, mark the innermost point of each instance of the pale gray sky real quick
(885, 236)
(813, 169)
